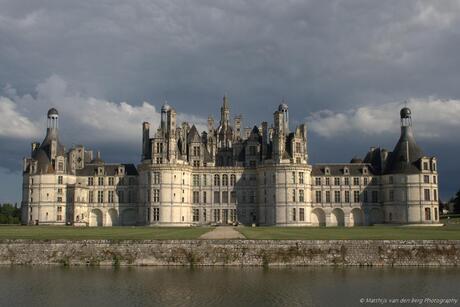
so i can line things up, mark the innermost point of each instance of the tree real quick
(10, 214)
(457, 202)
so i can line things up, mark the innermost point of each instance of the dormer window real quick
(327, 171)
(121, 170)
(434, 166)
(346, 171)
(100, 170)
(365, 171)
(425, 166)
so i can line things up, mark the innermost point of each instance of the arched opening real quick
(376, 216)
(95, 218)
(317, 217)
(112, 217)
(129, 217)
(356, 217)
(337, 217)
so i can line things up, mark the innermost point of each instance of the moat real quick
(180, 286)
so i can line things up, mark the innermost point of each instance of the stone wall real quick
(232, 252)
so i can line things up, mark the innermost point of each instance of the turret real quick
(145, 140)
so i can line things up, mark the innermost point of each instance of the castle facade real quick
(228, 174)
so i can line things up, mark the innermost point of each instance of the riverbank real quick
(232, 252)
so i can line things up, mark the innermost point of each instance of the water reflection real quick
(178, 286)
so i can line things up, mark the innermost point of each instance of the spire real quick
(224, 112)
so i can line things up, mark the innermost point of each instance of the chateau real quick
(226, 175)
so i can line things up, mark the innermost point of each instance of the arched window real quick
(216, 180)
(232, 179)
(225, 180)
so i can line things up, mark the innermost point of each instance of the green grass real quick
(450, 232)
(104, 233)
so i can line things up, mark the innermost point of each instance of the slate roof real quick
(109, 169)
(355, 169)
(404, 159)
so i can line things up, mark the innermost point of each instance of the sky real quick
(343, 67)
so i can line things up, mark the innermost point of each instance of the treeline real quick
(10, 214)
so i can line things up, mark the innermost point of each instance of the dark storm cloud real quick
(318, 55)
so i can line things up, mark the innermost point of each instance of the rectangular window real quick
(196, 214)
(355, 180)
(216, 215)
(90, 197)
(90, 181)
(216, 180)
(111, 181)
(301, 179)
(337, 196)
(232, 197)
(205, 180)
(301, 196)
(60, 179)
(435, 195)
(225, 180)
(294, 214)
(434, 179)
(301, 214)
(318, 196)
(59, 209)
(225, 197)
(196, 180)
(297, 147)
(216, 197)
(318, 181)
(391, 195)
(347, 196)
(390, 180)
(100, 197)
(204, 215)
(328, 181)
(328, 196)
(110, 197)
(293, 196)
(425, 166)
(427, 214)
(435, 214)
(356, 196)
(336, 181)
(156, 196)
(426, 179)
(427, 194)
(196, 163)
(100, 181)
(252, 197)
(366, 181)
(204, 197)
(293, 177)
(375, 196)
(196, 197)
(347, 181)
(365, 198)
(156, 214)
(196, 150)
(156, 178)
(59, 217)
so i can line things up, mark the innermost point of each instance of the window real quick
(336, 181)
(156, 178)
(337, 196)
(355, 180)
(293, 214)
(301, 179)
(196, 150)
(293, 196)
(318, 181)
(100, 181)
(216, 180)
(427, 194)
(435, 195)
(435, 214)
(156, 214)
(347, 196)
(156, 196)
(434, 167)
(252, 197)
(60, 166)
(196, 197)
(225, 180)
(427, 214)
(293, 177)
(232, 179)
(375, 196)
(59, 217)
(356, 196)
(318, 196)
(328, 196)
(59, 209)
(205, 180)
(297, 147)
(434, 179)
(196, 163)
(100, 197)
(347, 181)
(60, 180)
(391, 195)
(204, 215)
(196, 180)
(216, 197)
(110, 198)
(59, 191)
(91, 197)
(365, 198)
(301, 214)
(232, 197)
(216, 215)
(196, 215)
(159, 147)
(301, 196)
(426, 179)
(390, 180)
(366, 181)
(425, 166)
(225, 197)
(328, 181)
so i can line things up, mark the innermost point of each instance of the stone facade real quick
(226, 175)
(233, 252)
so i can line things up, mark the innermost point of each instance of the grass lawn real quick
(449, 232)
(109, 233)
